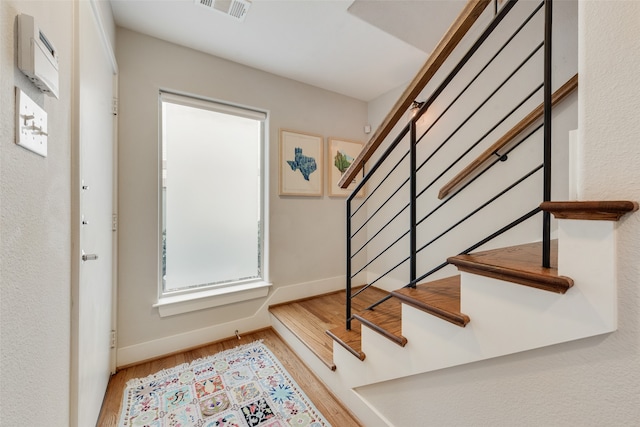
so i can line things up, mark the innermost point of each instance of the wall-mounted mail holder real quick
(31, 124)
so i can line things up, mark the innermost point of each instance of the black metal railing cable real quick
(478, 175)
(479, 140)
(479, 73)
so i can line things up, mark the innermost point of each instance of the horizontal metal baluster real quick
(372, 192)
(379, 162)
(484, 205)
(484, 241)
(380, 207)
(382, 253)
(479, 73)
(487, 133)
(482, 104)
(471, 181)
(380, 231)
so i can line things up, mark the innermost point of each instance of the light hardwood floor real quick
(331, 408)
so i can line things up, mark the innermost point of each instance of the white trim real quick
(264, 201)
(184, 303)
(114, 250)
(260, 319)
(103, 35)
(212, 105)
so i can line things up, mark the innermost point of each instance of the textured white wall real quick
(35, 234)
(306, 234)
(591, 382)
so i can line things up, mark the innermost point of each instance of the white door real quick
(93, 161)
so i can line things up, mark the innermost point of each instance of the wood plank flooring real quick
(331, 408)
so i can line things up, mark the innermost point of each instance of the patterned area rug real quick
(245, 386)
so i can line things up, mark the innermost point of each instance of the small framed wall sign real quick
(342, 153)
(300, 163)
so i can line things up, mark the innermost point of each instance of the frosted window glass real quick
(212, 196)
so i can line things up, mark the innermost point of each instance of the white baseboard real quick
(260, 319)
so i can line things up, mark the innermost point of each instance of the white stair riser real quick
(587, 254)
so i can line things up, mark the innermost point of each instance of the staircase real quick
(502, 302)
(474, 202)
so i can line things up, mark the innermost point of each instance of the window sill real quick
(170, 306)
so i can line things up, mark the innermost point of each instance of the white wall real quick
(591, 382)
(307, 234)
(35, 234)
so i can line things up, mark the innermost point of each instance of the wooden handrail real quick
(560, 94)
(465, 20)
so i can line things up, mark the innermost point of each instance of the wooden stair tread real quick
(520, 264)
(349, 339)
(610, 210)
(385, 319)
(440, 298)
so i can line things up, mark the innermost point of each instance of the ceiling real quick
(361, 48)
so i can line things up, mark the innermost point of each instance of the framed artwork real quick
(300, 163)
(342, 153)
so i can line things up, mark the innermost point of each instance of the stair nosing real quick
(458, 319)
(557, 283)
(605, 210)
(397, 339)
(359, 354)
(517, 267)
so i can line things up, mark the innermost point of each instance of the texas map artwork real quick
(307, 165)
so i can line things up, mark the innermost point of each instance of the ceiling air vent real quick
(234, 8)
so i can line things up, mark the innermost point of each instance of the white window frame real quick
(207, 296)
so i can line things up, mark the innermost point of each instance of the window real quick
(213, 199)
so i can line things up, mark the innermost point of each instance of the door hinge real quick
(114, 222)
(113, 339)
(114, 106)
